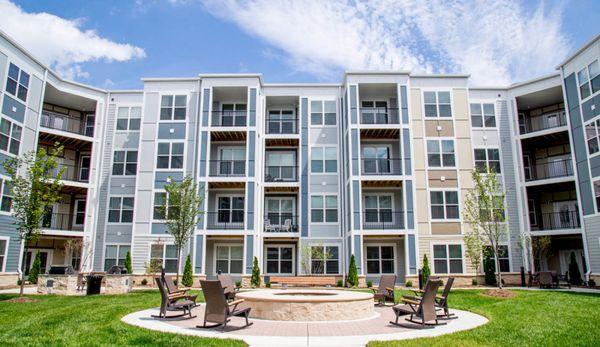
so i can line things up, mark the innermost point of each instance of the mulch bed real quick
(21, 299)
(499, 293)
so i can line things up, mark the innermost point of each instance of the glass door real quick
(89, 125)
(280, 260)
(232, 161)
(84, 168)
(279, 209)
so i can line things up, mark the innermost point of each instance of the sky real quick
(113, 44)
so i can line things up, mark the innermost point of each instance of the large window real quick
(3, 251)
(323, 209)
(589, 79)
(229, 259)
(10, 136)
(483, 116)
(5, 195)
(17, 82)
(172, 107)
(487, 158)
(376, 159)
(440, 153)
(120, 209)
(324, 260)
(280, 259)
(79, 213)
(170, 155)
(230, 209)
(592, 134)
(378, 208)
(323, 159)
(503, 258)
(322, 112)
(447, 259)
(125, 163)
(162, 206)
(281, 122)
(437, 104)
(495, 210)
(380, 260)
(166, 255)
(280, 166)
(129, 118)
(115, 255)
(444, 204)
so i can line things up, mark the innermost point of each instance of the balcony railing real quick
(229, 118)
(282, 126)
(379, 115)
(553, 169)
(281, 223)
(374, 166)
(558, 220)
(66, 123)
(72, 173)
(225, 220)
(543, 122)
(60, 221)
(281, 173)
(227, 168)
(382, 219)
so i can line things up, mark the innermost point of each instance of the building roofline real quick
(535, 80)
(170, 79)
(440, 75)
(488, 88)
(577, 52)
(126, 91)
(305, 85)
(375, 72)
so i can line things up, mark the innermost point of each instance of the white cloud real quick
(61, 43)
(495, 42)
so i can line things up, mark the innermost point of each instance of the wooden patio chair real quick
(174, 291)
(217, 309)
(441, 301)
(385, 290)
(545, 279)
(172, 303)
(228, 287)
(424, 308)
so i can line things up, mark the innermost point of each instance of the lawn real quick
(530, 318)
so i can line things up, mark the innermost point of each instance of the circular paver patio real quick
(331, 333)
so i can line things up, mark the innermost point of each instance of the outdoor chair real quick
(424, 309)
(441, 301)
(268, 226)
(385, 290)
(217, 310)
(228, 288)
(287, 226)
(174, 292)
(563, 279)
(545, 279)
(172, 303)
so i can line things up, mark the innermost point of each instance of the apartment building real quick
(302, 176)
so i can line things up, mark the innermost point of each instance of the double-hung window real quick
(120, 209)
(3, 251)
(160, 205)
(229, 259)
(323, 159)
(166, 255)
(125, 163)
(437, 104)
(232, 161)
(115, 255)
(440, 153)
(376, 160)
(444, 204)
(17, 82)
(281, 122)
(589, 79)
(592, 134)
(323, 209)
(483, 116)
(79, 213)
(322, 112)
(5, 195)
(503, 258)
(378, 209)
(487, 159)
(447, 259)
(170, 155)
(173, 107)
(10, 136)
(129, 118)
(494, 209)
(324, 260)
(230, 209)
(380, 259)
(374, 112)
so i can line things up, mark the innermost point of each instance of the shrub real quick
(238, 284)
(144, 282)
(352, 273)
(489, 268)
(574, 274)
(268, 284)
(408, 284)
(425, 270)
(340, 283)
(255, 280)
(128, 265)
(369, 284)
(188, 277)
(36, 267)
(474, 281)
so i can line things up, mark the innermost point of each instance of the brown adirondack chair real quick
(385, 290)
(227, 284)
(441, 301)
(217, 309)
(424, 309)
(175, 292)
(172, 303)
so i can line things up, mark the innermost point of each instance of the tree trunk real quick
(178, 256)
(24, 265)
(497, 261)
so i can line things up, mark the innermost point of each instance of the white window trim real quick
(587, 150)
(129, 107)
(393, 207)
(329, 244)
(322, 125)
(6, 248)
(14, 96)
(444, 190)
(395, 260)
(170, 143)
(228, 245)
(487, 157)
(4, 178)
(589, 82)
(164, 252)
(75, 211)
(492, 257)
(324, 209)
(153, 204)
(279, 245)
(324, 160)
(126, 150)
(462, 254)
(436, 91)
(231, 196)
(120, 209)
(10, 136)
(481, 103)
(439, 140)
(172, 120)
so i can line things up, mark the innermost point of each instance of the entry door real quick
(280, 260)
(565, 260)
(45, 259)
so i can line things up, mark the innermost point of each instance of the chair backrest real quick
(386, 281)
(545, 277)
(447, 288)
(226, 282)
(161, 288)
(288, 223)
(427, 305)
(216, 305)
(171, 287)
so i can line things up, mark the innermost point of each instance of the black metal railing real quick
(280, 223)
(59, 221)
(66, 123)
(229, 118)
(376, 166)
(227, 168)
(72, 173)
(558, 220)
(543, 122)
(553, 169)
(225, 220)
(282, 126)
(382, 219)
(281, 173)
(379, 115)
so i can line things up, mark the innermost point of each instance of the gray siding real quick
(7, 229)
(592, 227)
(304, 167)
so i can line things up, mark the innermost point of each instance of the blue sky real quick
(113, 44)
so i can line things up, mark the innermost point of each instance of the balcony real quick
(225, 220)
(558, 221)
(60, 221)
(72, 173)
(229, 118)
(281, 223)
(382, 220)
(542, 122)
(549, 170)
(381, 167)
(281, 174)
(279, 125)
(379, 115)
(227, 168)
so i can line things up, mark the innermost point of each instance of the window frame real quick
(325, 260)
(322, 113)
(172, 108)
(11, 138)
(586, 68)
(76, 212)
(231, 197)
(482, 115)
(487, 159)
(279, 259)
(121, 209)
(595, 122)
(170, 155)
(324, 160)
(118, 245)
(163, 255)
(507, 258)
(17, 82)
(324, 209)
(380, 259)
(128, 118)
(448, 258)
(229, 259)
(4, 254)
(379, 209)
(125, 163)
(441, 152)
(4, 181)
(444, 204)
(437, 103)
(596, 195)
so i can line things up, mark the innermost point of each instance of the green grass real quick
(531, 318)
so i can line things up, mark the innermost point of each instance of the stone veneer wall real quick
(8, 281)
(116, 284)
(58, 284)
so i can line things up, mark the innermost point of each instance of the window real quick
(120, 210)
(172, 107)
(495, 211)
(10, 136)
(444, 204)
(230, 209)
(233, 115)
(532, 212)
(589, 79)
(280, 166)
(323, 209)
(380, 259)
(229, 259)
(483, 116)
(17, 82)
(115, 255)
(440, 153)
(487, 159)
(502, 257)
(232, 161)
(281, 122)
(322, 112)
(376, 159)
(323, 159)
(160, 205)
(3, 251)
(374, 112)
(437, 104)
(596, 194)
(447, 259)
(129, 118)
(280, 260)
(170, 155)
(592, 134)
(125, 163)
(324, 260)
(79, 213)
(378, 208)
(167, 255)
(6, 195)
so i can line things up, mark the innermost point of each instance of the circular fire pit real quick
(308, 305)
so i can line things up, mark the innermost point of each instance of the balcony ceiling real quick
(72, 190)
(72, 101)
(377, 91)
(282, 142)
(558, 187)
(218, 185)
(379, 133)
(231, 93)
(228, 136)
(281, 189)
(547, 140)
(540, 98)
(50, 139)
(381, 183)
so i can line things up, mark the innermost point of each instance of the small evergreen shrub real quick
(188, 276)
(128, 263)
(36, 268)
(489, 269)
(425, 270)
(255, 279)
(340, 283)
(409, 284)
(574, 274)
(369, 284)
(352, 278)
(474, 281)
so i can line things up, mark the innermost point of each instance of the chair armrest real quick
(418, 291)
(177, 295)
(408, 301)
(412, 298)
(375, 289)
(439, 297)
(236, 302)
(389, 289)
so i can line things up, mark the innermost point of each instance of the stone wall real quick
(58, 285)
(116, 284)
(8, 281)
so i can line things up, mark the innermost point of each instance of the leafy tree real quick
(484, 212)
(36, 268)
(574, 274)
(255, 279)
(425, 270)
(35, 186)
(179, 210)
(81, 246)
(128, 264)
(474, 250)
(188, 278)
(488, 268)
(352, 272)
(310, 252)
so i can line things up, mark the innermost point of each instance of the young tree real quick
(35, 186)
(535, 247)
(425, 270)
(179, 210)
(255, 279)
(474, 250)
(84, 248)
(311, 254)
(128, 263)
(484, 212)
(188, 278)
(352, 272)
